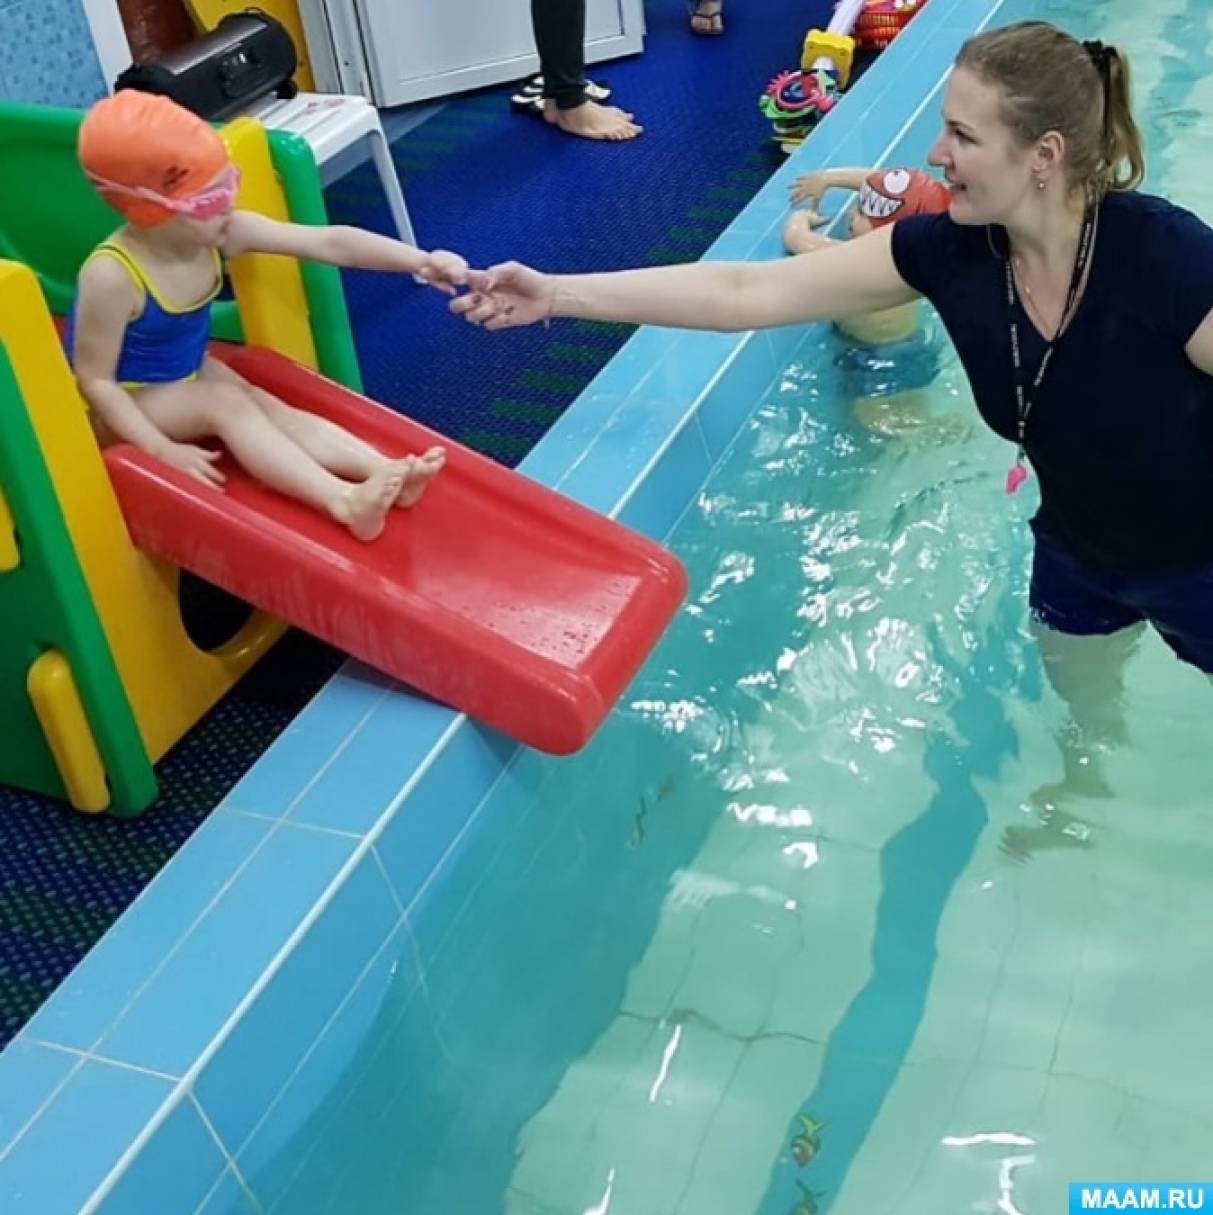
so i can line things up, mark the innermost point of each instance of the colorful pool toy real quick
(882, 20)
(796, 101)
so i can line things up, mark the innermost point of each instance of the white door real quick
(415, 49)
(109, 37)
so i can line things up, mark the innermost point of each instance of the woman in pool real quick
(1082, 312)
(138, 331)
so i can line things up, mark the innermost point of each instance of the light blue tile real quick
(237, 1086)
(767, 207)
(499, 845)
(229, 1198)
(680, 470)
(783, 343)
(690, 367)
(87, 1002)
(633, 361)
(174, 1171)
(731, 246)
(439, 806)
(736, 393)
(344, 1161)
(375, 764)
(46, 54)
(331, 1086)
(194, 993)
(308, 743)
(552, 457)
(633, 437)
(67, 1153)
(29, 1074)
(769, 247)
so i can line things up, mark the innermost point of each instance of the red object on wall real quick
(882, 20)
(155, 26)
(493, 594)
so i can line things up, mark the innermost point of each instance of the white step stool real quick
(332, 122)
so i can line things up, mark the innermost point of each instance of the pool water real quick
(797, 933)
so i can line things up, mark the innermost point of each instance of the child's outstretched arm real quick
(338, 245)
(106, 301)
(810, 188)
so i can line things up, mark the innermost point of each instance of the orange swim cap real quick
(892, 194)
(145, 141)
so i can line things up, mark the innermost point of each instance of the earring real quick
(1040, 185)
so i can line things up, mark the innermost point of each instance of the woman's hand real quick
(443, 269)
(506, 296)
(194, 461)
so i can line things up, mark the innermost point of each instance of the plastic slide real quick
(494, 594)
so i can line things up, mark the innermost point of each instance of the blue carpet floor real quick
(492, 185)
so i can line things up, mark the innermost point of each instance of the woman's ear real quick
(1049, 156)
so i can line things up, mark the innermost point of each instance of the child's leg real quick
(331, 446)
(202, 408)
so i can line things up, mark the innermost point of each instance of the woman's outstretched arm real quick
(850, 278)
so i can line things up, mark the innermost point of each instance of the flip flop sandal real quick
(529, 97)
(707, 18)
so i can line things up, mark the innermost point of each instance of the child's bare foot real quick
(418, 471)
(363, 508)
(592, 121)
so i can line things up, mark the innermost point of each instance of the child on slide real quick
(889, 355)
(139, 324)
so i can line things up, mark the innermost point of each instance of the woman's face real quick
(988, 170)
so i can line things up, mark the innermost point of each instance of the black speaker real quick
(246, 57)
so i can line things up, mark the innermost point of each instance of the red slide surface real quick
(493, 594)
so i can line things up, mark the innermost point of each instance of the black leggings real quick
(560, 36)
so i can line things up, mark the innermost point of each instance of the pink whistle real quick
(1016, 477)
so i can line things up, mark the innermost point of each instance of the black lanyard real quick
(1024, 401)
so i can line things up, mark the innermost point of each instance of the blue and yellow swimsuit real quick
(163, 344)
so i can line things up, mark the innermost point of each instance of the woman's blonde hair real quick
(1052, 82)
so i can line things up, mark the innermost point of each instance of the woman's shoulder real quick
(939, 257)
(941, 228)
(1139, 217)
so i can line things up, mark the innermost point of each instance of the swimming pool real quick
(757, 948)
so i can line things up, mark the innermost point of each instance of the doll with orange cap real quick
(890, 355)
(138, 329)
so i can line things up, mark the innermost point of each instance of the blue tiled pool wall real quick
(47, 55)
(230, 1004)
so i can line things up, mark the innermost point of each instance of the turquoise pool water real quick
(793, 935)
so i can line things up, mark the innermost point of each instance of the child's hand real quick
(443, 270)
(194, 461)
(506, 296)
(808, 188)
